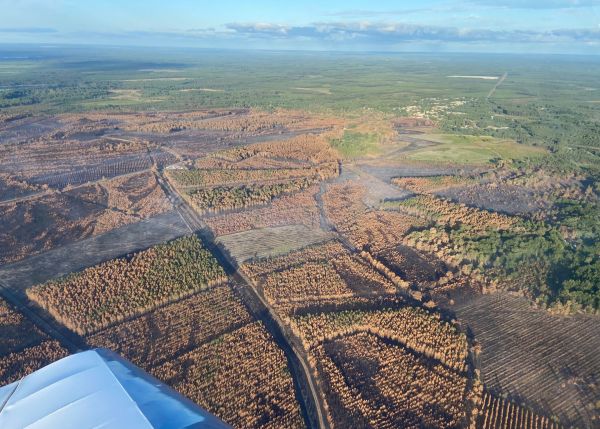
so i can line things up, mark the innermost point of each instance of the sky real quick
(520, 26)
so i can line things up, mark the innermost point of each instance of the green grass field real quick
(465, 149)
(549, 101)
(356, 145)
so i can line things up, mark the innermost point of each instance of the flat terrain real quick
(270, 242)
(549, 362)
(309, 240)
(82, 254)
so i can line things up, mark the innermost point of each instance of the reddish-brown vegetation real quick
(16, 332)
(172, 330)
(316, 273)
(430, 184)
(117, 289)
(15, 366)
(241, 377)
(412, 327)
(446, 212)
(366, 229)
(372, 382)
(299, 208)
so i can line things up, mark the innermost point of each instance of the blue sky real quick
(560, 26)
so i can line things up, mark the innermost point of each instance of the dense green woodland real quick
(547, 101)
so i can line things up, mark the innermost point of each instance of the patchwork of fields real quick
(288, 266)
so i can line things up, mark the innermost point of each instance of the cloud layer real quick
(392, 33)
(538, 4)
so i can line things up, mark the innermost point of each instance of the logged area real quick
(341, 241)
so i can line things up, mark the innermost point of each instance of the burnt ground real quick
(549, 362)
(11, 187)
(412, 265)
(91, 251)
(508, 199)
(37, 225)
(54, 219)
(386, 172)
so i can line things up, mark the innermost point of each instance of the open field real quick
(548, 362)
(35, 225)
(270, 242)
(472, 150)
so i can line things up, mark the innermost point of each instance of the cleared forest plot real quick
(11, 187)
(78, 255)
(498, 413)
(241, 377)
(107, 293)
(550, 363)
(270, 242)
(502, 198)
(35, 225)
(168, 332)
